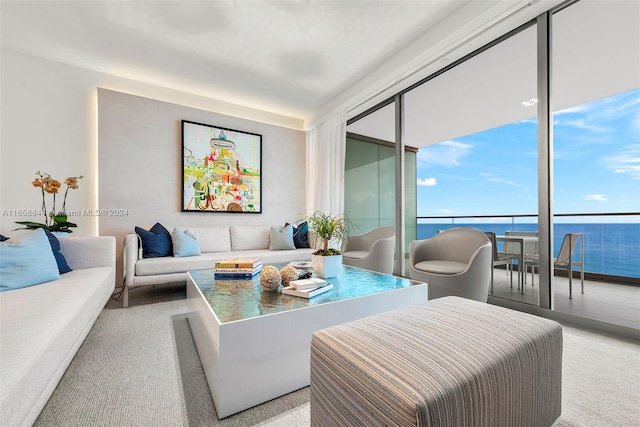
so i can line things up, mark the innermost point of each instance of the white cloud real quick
(427, 182)
(571, 110)
(581, 124)
(493, 178)
(596, 197)
(625, 162)
(635, 121)
(446, 153)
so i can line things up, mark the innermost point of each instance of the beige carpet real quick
(139, 367)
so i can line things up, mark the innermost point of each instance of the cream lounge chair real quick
(454, 262)
(371, 251)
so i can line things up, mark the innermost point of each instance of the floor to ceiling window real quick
(370, 183)
(596, 126)
(487, 159)
(477, 164)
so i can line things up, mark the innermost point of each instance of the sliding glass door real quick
(370, 175)
(596, 127)
(534, 137)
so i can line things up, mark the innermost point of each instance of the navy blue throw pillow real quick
(2, 238)
(63, 267)
(156, 242)
(300, 235)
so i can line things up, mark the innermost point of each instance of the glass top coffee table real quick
(255, 345)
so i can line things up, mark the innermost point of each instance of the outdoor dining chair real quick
(564, 261)
(500, 258)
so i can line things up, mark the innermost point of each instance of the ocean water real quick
(608, 248)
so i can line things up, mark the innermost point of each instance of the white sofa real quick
(216, 243)
(42, 326)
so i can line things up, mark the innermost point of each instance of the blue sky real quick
(596, 165)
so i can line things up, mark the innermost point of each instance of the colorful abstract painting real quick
(221, 169)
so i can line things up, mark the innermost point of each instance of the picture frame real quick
(221, 169)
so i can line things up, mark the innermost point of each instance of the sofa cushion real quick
(211, 239)
(63, 266)
(26, 259)
(281, 238)
(441, 267)
(355, 254)
(183, 244)
(156, 242)
(244, 238)
(41, 328)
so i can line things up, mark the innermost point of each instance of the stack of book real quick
(307, 288)
(237, 268)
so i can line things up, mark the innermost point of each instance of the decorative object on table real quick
(301, 264)
(307, 293)
(239, 263)
(327, 262)
(270, 278)
(310, 283)
(236, 273)
(222, 169)
(53, 220)
(305, 275)
(288, 273)
(237, 268)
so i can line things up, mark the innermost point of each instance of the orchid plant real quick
(53, 220)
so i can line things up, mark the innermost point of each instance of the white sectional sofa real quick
(216, 243)
(42, 326)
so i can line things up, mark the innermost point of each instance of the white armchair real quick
(371, 251)
(454, 262)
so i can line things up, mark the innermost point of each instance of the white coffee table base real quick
(251, 361)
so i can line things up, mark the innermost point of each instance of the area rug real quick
(139, 367)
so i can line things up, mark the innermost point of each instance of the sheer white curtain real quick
(326, 146)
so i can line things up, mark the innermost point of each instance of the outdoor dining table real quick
(522, 242)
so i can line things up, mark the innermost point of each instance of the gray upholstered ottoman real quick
(449, 362)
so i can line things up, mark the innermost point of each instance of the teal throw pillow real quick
(183, 244)
(26, 259)
(281, 238)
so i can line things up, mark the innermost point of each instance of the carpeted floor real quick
(139, 367)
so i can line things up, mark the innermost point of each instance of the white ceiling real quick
(295, 58)
(595, 53)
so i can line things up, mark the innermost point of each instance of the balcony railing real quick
(612, 245)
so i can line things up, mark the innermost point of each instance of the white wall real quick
(140, 164)
(49, 122)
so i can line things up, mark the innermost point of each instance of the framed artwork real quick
(221, 169)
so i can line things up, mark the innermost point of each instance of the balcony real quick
(612, 262)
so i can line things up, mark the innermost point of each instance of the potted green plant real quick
(330, 230)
